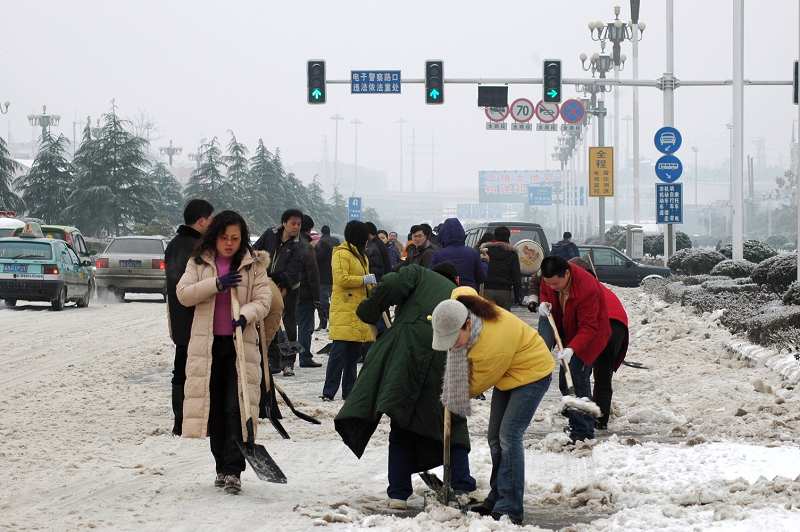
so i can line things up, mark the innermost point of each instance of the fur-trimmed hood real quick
(502, 245)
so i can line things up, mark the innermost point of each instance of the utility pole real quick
(617, 189)
(797, 170)
(738, 129)
(336, 118)
(44, 120)
(696, 175)
(668, 88)
(636, 28)
(401, 121)
(170, 151)
(356, 122)
(413, 160)
(433, 161)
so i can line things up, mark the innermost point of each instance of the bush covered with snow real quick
(694, 261)
(769, 320)
(734, 269)
(754, 250)
(691, 280)
(654, 244)
(792, 295)
(739, 306)
(718, 287)
(777, 272)
(655, 286)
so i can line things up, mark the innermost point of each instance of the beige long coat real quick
(198, 288)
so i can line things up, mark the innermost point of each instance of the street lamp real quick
(170, 151)
(44, 120)
(356, 122)
(337, 118)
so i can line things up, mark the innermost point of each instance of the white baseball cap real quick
(448, 318)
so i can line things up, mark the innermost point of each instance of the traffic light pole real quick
(668, 90)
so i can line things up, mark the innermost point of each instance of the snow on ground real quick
(699, 441)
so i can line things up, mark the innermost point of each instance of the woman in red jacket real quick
(613, 355)
(575, 300)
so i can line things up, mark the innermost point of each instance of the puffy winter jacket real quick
(349, 268)
(503, 268)
(467, 261)
(378, 257)
(324, 252)
(309, 285)
(176, 256)
(286, 268)
(566, 249)
(616, 312)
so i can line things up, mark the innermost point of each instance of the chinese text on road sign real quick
(354, 208)
(540, 195)
(375, 82)
(669, 203)
(601, 171)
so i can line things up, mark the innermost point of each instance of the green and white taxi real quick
(35, 268)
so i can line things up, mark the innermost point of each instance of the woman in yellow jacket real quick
(494, 348)
(351, 279)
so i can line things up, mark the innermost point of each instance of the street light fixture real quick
(170, 151)
(4, 107)
(44, 120)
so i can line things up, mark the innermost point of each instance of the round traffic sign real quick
(669, 168)
(547, 112)
(496, 114)
(573, 111)
(522, 110)
(668, 139)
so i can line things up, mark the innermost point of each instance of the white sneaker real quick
(398, 504)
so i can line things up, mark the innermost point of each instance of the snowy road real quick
(699, 441)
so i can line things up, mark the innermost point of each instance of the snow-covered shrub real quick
(771, 319)
(740, 306)
(694, 261)
(734, 269)
(743, 280)
(654, 244)
(673, 292)
(776, 272)
(754, 250)
(691, 280)
(655, 286)
(718, 287)
(792, 295)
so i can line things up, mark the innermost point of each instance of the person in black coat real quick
(377, 254)
(503, 284)
(324, 254)
(286, 269)
(197, 217)
(308, 299)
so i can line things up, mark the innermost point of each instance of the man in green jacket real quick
(402, 378)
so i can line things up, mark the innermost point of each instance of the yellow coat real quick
(509, 353)
(349, 268)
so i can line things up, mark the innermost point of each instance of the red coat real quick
(616, 312)
(583, 324)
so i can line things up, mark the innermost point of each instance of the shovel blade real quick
(432, 481)
(262, 463)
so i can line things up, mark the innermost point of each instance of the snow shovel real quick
(446, 492)
(637, 365)
(572, 402)
(255, 454)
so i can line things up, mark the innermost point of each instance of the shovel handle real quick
(447, 477)
(241, 366)
(564, 365)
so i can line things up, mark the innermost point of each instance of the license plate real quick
(15, 268)
(130, 264)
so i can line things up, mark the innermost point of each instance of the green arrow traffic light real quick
(434, 94)
(316, 94)
(552, 93)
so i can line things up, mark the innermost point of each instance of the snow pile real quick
(784, 364)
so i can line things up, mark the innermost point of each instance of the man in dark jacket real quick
(503, 283)
(308, 299)
(402, 378)
(576, 302)
(378, 256)
(471, 270)
(421, 250)
(391, 249)
(286, 269)
(565, 248)
(196, 217)
(324, 253)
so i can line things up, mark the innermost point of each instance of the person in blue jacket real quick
(471, 270)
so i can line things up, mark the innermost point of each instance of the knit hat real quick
(448, 318)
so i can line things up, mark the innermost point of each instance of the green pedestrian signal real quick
(316, 81)
(552, 80)
(434, 82)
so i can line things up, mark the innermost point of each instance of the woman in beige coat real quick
(224, 261)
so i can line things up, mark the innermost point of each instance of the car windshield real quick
(518, 234)
(6, 231)
(25, 250)
(136, 246)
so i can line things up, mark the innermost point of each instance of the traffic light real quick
(316, 81)
(434, 82)
(552, 80)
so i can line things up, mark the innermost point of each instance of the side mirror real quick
(629, 264)
(86, 263)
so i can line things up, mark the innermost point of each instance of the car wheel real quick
(58, 303)
(84, 301)
(11, 303)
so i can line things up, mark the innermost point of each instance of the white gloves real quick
(564, 355)
(369, 279)
(545, 309)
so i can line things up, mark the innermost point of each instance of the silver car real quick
(132, 264)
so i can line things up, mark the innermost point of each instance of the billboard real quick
(511, 186)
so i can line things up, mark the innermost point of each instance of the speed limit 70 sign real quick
(522, 110)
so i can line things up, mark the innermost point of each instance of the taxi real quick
(35, 268)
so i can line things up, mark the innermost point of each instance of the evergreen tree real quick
(238, 176)
(8, 166)
(113, 190)
(264, 188)
(47, 186)
(169, 207)
(208, 181)
(338, 211)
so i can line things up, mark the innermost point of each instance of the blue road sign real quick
(669, 203)
(540, 196)
(669, 168)
(668, 139)
(354, 208)
(573, 111)
(375, 82)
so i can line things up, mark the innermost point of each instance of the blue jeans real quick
(581, 426)
(342, 366)
(402, 463)
(324, 304)
(305, 328)
(509, 418)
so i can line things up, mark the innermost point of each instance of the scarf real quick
(455, 388)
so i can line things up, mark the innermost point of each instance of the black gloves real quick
(229, 280)
(241, 322)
